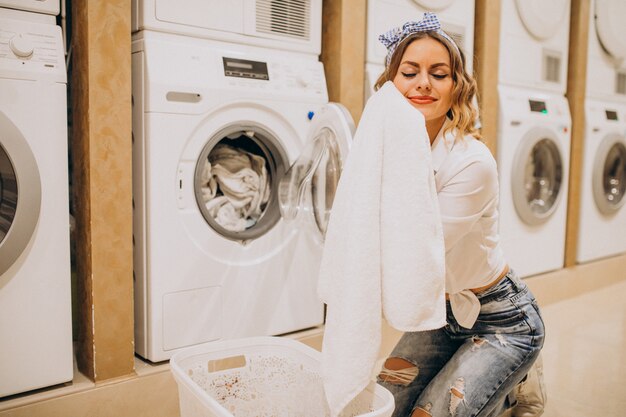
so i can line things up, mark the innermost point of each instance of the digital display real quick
(243, 68)
(611, 114)
(538, 106)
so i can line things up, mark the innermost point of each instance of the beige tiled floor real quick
(585, 354)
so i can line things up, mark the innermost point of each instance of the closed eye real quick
(440, 76)
(409, 75)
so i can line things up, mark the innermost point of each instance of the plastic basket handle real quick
(224, 364)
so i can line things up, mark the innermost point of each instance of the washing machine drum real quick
(537, 177)
(610, 26)
(542, 19)
(20, 194)
(236, 181)
(609, 174)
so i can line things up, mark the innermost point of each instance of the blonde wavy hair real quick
(462, 113)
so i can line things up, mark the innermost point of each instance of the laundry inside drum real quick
(235, 182)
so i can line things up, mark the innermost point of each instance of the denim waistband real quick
(510, 279)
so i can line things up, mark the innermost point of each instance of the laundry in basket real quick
(262, 377)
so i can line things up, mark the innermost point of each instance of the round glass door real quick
(610, 28)
(537, 177)
(325, 180)
(311, 182)
(609, 174)
(8, 194)
(236, 182)
(542, 19)
(20, 193)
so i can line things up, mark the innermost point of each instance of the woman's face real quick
(424, 77)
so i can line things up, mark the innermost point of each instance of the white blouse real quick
(467, 188)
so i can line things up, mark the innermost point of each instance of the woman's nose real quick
(423, 82)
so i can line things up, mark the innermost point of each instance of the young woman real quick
(494, 330)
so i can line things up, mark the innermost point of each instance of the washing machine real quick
(219, 129)
(602, 223)
(534, 44)
(606, 69)
(602, 219)
(51, 7)
(456, 17)
(35, 295)
(534, 132)
(294, 25)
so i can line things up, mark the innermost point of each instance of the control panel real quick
(31, 49)
(189, 75)
(283, 75)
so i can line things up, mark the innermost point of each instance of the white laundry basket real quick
(262, 377)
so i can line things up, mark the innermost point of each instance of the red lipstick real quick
(422, 99)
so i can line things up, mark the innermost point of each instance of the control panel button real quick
(21, 46)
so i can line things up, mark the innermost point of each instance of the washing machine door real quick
(20, 193)
(537, 176)
(236, 181)
(610, 26)
(609, 174)
(311, 182)
(541, 18)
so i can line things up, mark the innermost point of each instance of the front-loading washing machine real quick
(602, 219)
(602, 226)
(456, 17)
(216, 128)
(533, 162)
(534, 44)
(38, 6)
(35, 295)
(294, 25)
(606, 66)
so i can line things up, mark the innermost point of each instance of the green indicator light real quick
(544, 111)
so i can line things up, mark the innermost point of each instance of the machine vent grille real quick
(551, 67)
(620, 83)
(284, 17)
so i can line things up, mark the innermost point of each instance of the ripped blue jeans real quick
(469, 372)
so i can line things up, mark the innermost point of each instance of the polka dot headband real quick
(429, 23)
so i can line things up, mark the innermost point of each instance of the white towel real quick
(384, 254)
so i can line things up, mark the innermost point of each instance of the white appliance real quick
(39, 6)
(35, 304)
(198, 278)
(533, 161)
(456, 17)
(602, 227)
(606, 69)
(294, 25)
(534, 42)
(602, 218)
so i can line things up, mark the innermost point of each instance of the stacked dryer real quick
(602, 230)
(230, 112)
(456, 17)
(35, 296)
(533, 133)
